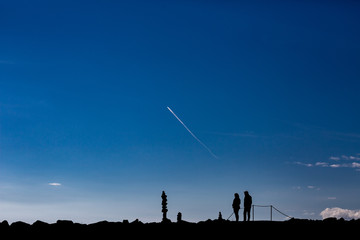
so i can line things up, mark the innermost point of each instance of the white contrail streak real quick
(203, 144)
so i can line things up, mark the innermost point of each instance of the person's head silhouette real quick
(236, 195)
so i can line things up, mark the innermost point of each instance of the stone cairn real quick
(220, 217)
(179, 216)
(164, 207)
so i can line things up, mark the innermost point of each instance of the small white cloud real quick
(354, 158)
(337, 212)
(304, 164)
(311, 187)
(345, 157)
(55, 184)
(322, 164)
(331, 198)
(355, 165)
(340, 164)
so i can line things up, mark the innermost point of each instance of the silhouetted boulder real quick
(64, 222)
(98, 225)
(209, 221)
(4, 227)
(40, 224)
(166, 221)
(136, 221)
(20, 225)
(4, 224)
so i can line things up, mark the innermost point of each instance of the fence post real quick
(271, 212)
(253, 206)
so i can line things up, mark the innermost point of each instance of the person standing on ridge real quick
(236, 206)
(247, 205)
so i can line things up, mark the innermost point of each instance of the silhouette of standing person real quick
(236, 206)
(247, 205)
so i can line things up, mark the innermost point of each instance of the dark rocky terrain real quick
(210, 229)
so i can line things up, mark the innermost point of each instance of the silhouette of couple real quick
(247, 206)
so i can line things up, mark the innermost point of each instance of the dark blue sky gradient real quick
(272, 88)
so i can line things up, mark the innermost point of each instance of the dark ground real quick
(294, 228)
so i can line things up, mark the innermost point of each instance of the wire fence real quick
(265, 206)
(271, 211)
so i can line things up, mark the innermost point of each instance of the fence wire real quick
(271, 208)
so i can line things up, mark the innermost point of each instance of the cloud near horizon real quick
(345, 157)
(355, 165)
(339, 162)
(54, 184)
(337, 212)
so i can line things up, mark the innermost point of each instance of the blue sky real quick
(272, 88)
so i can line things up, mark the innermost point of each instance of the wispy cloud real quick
(337, 212)
(309, 187)
(355, 165)
(192, 134)
(304, 164)
(55, 184)
(334, 165)
(340, 162)
(351, 158)
(322, 164)
(312, 187)
(345, 157)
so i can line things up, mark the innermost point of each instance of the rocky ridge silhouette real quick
(66, 229)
